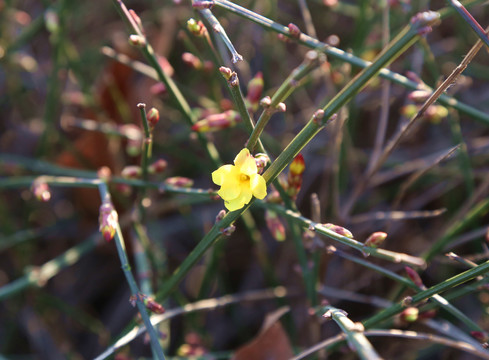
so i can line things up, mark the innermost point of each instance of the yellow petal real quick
(230, 189)
(258, 186)
(241, 157)
(222, 173)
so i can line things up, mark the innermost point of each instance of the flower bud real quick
(266, 102)
(410, 314)
(419, 96)
(41, 190)
(281, 107)
(436, 113)
(275, 226)
(131, 172)
(294, 178)
(217, 122)
(220, 215)
(158, 166)
(255, 90)
(108, 220)
(409, 110)
(480, 336)
(228, 231)
(226, 72)
(339, 230)
(414, 276)
(191, 60)
(153, 116)
(196, 27)
(152, 305)
(201, 5)
(104, 173)
(137, 40)
(261, 161)
(376, 239)
(179, 182)
(294, 31)
(158, 89)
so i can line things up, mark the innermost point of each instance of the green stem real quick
(170, 85)
(428, 293)
(217, 27)
(321, 229)
(38, 276)
(354, 335)
(126, 268)
(283, 92)
(440, 244)
(441, 302)
(349, 58)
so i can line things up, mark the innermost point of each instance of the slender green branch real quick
(126, 268)
(430, 292)
(39, 275)
(283, 92)
(217, 27)
(170, 85)
(349, 58)
(354, 333)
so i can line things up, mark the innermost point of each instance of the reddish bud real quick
(201, 5)
(266, 102)
(294, 31)
(261, 161)
(153, 116)
(41, 190)
(158, 166)
(487, 235)
(137, 40)
(108, 220)
(419, 96)
(226, 72)
(217, 122)
(158, 89)
(275, 226)
(479, 336)
(376, 239)
(414, 276)
(196, 27)
(131, 172)
(409, 314)
(104, 173)
(192, 61)
(220, 215)
(165, 65)
(255, 90)
(228, 230)
(124, 189)
(179, 181)
(297, 166)
(153, 306)
(339, 230)
(281, 107)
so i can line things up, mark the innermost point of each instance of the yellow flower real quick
(239, 182)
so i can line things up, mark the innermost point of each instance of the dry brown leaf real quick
(271, 343)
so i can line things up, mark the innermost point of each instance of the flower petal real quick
(222, 173)
(258, 186)
(230, 189)
(241, 157)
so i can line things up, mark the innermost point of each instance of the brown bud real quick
(414, 276)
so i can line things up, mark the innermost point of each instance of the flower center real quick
(244, 177)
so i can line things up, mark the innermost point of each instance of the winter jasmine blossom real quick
(240, 182)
